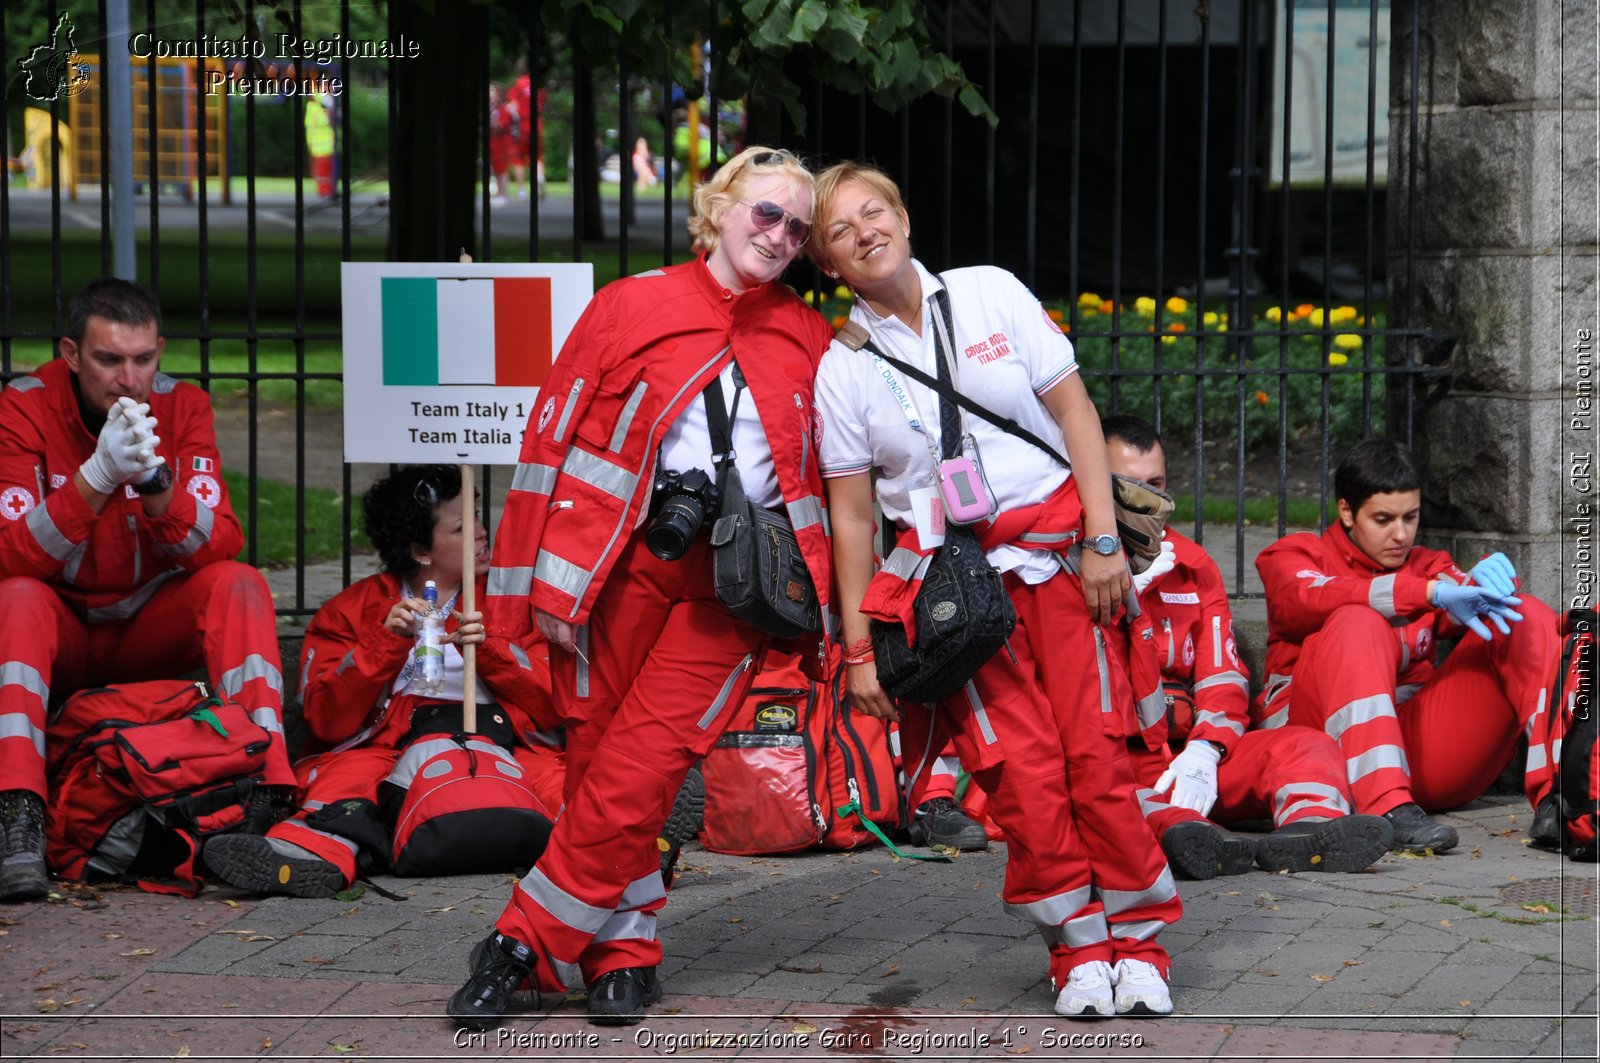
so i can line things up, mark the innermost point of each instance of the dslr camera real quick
(683, 502)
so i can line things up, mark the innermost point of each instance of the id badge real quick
(927, 514)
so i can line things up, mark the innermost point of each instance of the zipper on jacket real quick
(1216, 642)
(805, 436)
(1100, 662)
(1172, 649)
(133, 530)
(566, 411)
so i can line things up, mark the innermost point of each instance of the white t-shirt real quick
(455, 674)
(687, 444)
(1007, 353)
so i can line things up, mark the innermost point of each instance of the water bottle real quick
(428, 676)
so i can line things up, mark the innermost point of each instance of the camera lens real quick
(675, 526)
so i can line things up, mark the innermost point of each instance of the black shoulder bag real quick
(757, 567)
(962, 611)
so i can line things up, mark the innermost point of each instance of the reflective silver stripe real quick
(1172, 643)
(163, 384)
(1555, 750)
(584, 918)
(1143, 930)
(629, 926)
(520, 655)
(1229, 678)
(355, 850)
(1076, 933)
(1152, 708)
(566, 411)
(1220, 721)
(534, 478)
(1276, 684)
(1405, 653)
(642, 891)
(255, 666)
(1053, 911)
(1150, 803)
(561, 574)
(804, 512)
(267, 720)
(1359, 711)
(581, 638)
(980, 714)
(510, 580)
(728, 684)
(625, 421)
(198, 536)
(115, 853)
(1105, 674)
(1537, 759)
(126, 607)
(47, 535)
(1381, 594)
(1300, 795)
(349, 659)
(1216, 642)
(305, 670)
(19, 725)
(26, 676)
(1276, 720)
(1162, 890)
(417, 754)
(1048, 540)
(1378, 758)
(600, 474)
(1537, 712)
(1405, 692)
(25, 383)
(652, 273)
(903, 563)
(69, 572)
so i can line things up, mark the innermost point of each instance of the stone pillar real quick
(1505, 246)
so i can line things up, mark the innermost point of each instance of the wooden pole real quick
(469, 601)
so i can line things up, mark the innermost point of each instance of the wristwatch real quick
(158, 482)
(1104, 545)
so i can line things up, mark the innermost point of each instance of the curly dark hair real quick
(400, 510)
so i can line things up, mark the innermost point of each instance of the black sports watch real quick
(158, 482)
(1104, 545)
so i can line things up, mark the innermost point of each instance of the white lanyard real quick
(902, 394)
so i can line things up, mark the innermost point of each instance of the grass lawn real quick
(1300, 512)
(276, 513)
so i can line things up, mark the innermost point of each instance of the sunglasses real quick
(764, 215)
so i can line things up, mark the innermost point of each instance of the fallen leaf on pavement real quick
(1354, 963)
(49, 1004)
(815, 968)
(1322, 977)
(894, 968)
(1542, 909)
(436, 911)
(1446, 923)
(138, 952)
(804, 1027)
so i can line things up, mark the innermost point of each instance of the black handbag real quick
(757, 567)
(963, 614)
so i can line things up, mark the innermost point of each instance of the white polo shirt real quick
(1007, 353)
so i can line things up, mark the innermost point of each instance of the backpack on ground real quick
(863, 786)
(761, 777)
(141, 774)
(1578, 770)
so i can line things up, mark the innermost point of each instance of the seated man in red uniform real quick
(1354, 617)
(116, 549)
(1293, 776)
(358, 683)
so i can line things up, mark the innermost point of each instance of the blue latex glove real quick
(1495, 573)
(1467, 604)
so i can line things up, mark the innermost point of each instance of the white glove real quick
(1192, 777)
(1158, 568)
(126, 449)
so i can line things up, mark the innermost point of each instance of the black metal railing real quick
(1132, 156)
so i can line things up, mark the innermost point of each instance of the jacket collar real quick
(1350, 553)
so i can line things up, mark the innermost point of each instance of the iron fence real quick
(1134, 156)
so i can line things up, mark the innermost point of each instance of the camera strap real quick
(719, 421)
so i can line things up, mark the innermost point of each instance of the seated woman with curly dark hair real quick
(400, 786)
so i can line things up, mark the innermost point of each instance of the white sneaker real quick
(1140, 989)
(1087, 994)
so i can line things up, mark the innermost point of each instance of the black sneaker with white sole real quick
(499, 967)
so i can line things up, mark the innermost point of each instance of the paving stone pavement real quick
(837, 955)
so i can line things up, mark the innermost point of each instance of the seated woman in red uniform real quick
(356, 684)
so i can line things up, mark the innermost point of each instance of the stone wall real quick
(1505, 253)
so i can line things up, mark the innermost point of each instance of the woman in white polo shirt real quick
(1040, 728)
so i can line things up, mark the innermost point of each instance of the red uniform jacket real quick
(351, 659)
(1307, 577)
(1195, 641)
(107, 565)
(646, 348)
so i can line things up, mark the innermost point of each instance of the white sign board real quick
(443, 361)
(1354, 49)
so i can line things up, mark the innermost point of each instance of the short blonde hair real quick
(829, 182)
(712, 199)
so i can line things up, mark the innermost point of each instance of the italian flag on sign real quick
(475, 331)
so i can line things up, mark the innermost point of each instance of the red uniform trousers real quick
(1285, 775)
(930, 771)
(219, 616)
(1042, 735)
(357, 773)
(1445, 744)
(667, 667)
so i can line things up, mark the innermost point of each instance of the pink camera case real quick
(962, 490)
